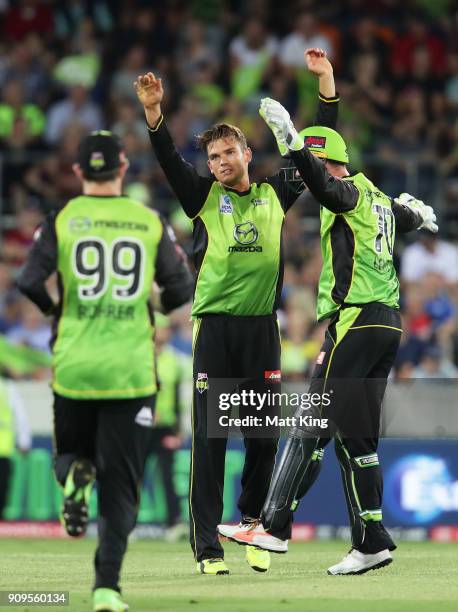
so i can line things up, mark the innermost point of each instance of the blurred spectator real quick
(32, 330)
(429, 254)
(14, 108)
(133, 64)
(434, 365)
(26, 63)
(76, 108)
(82, 66)
(27, 17)
(252, 55)
(421, 73)
(195, 50)
(18, 361)
(451, 87)
(405, 45)
(208, 95)
(129, 121)
(69, 16)
(17, 242)
(6, 288)
(52, 181)
(306, 34)
(14, 433)
(365, 36)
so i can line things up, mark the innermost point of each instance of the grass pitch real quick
(159, 576)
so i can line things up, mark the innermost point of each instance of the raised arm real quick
(328, 101)
(190, 188)
(287, 183)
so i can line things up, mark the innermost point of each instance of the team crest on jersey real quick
(259, 201)
(225, 205)
(78, 225)
(202, 382)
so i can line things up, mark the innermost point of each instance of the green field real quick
(159, 576)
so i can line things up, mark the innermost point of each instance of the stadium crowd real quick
(68, 67)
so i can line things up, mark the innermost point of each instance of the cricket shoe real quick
(77, 492)
(253, 534)
(257, 558)
(108, 600)
(357, 562)
(212, 567)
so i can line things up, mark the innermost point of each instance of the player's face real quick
(227, 161)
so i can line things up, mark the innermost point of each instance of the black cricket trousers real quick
(111, 435)
(228, 347)
(355, 360)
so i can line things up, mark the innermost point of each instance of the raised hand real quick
(279, 121)
(317, 62)
(150, 93)
(149, 90)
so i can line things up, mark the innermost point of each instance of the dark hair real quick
(101, 177)
(220, 130)
(335, 163)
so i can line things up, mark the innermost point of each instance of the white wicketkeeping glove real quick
(279, 121)
(426, 212)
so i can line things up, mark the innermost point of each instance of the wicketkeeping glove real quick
(279, 121)
(426, 212)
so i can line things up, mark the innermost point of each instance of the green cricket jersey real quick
(107, 252)
(357, 248)
(107, 274)
(240, 266)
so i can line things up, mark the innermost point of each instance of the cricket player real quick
(14, 433)
(237, 228)
(359, 295)
(166, 435)
(107, 250)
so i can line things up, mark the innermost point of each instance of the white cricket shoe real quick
(228, 530)
(253, 534)
(357, 562)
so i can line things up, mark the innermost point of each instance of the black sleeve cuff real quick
(154, 129)
(335, 98)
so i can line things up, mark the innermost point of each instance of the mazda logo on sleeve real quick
(245, 233)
